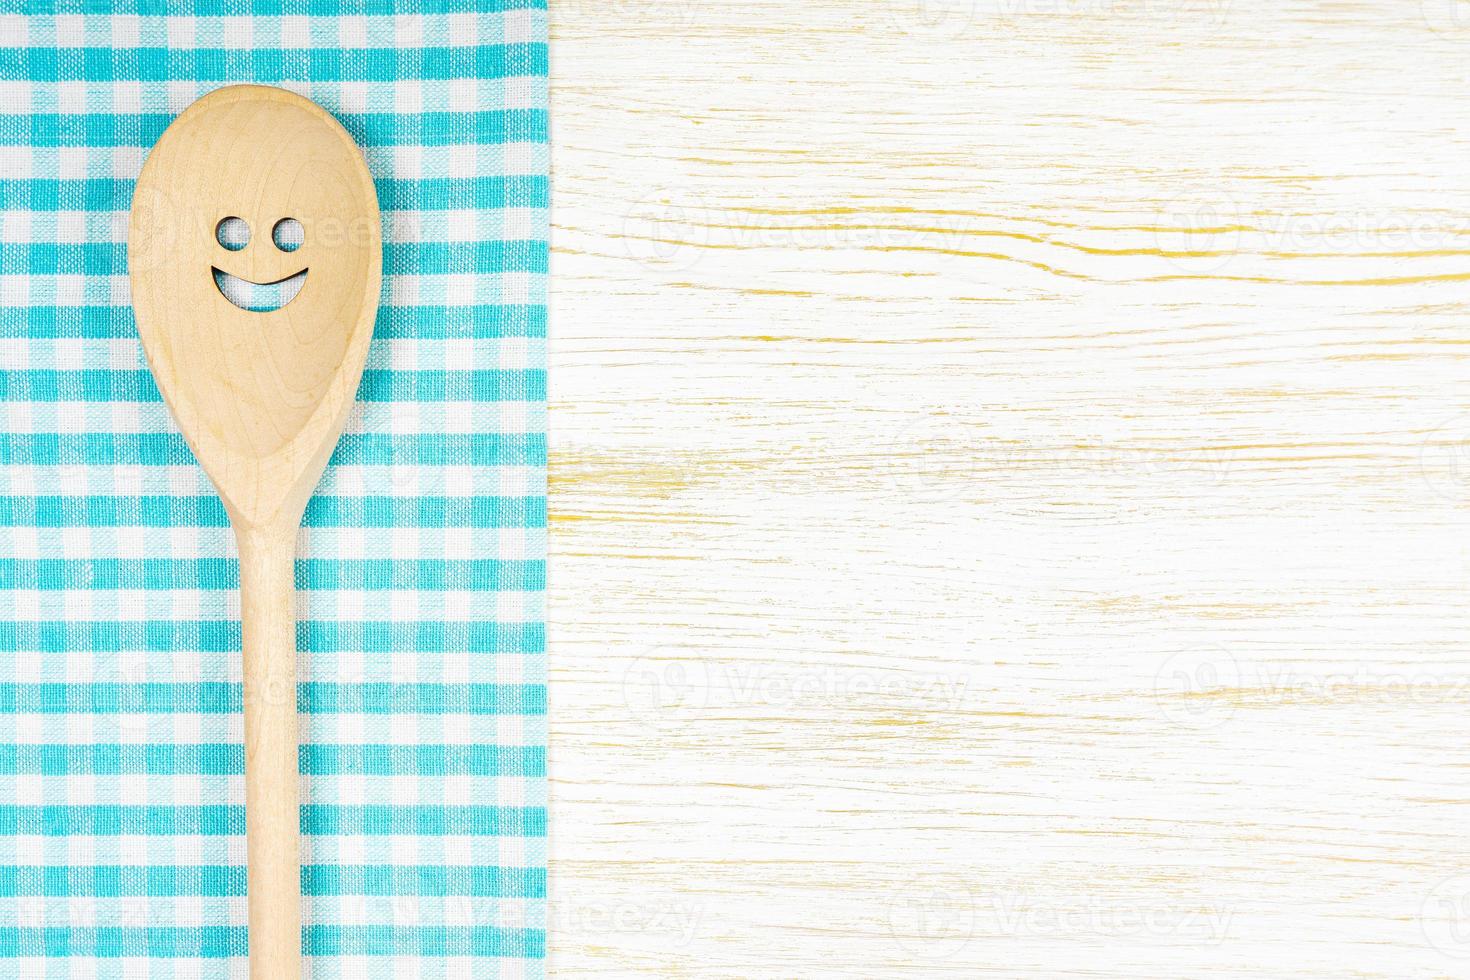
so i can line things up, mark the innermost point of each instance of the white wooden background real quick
(1010, 475)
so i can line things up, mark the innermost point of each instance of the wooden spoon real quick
(255, 253)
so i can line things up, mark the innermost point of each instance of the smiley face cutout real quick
(233, 234)
(255, 255)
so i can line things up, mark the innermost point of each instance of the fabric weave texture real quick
(421, 562)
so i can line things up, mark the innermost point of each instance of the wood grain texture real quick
(1009, 481)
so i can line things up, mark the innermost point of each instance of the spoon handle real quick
(272, 771)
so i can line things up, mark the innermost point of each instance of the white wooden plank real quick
(1009, 479)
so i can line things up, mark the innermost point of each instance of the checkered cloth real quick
(422, 557)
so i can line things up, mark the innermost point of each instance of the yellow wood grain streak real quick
(1008, 485)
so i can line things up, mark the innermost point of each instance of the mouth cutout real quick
(258, 297)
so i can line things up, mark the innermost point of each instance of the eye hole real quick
(233, 233)
(288, 234)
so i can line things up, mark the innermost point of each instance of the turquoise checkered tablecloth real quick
(422, 558)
